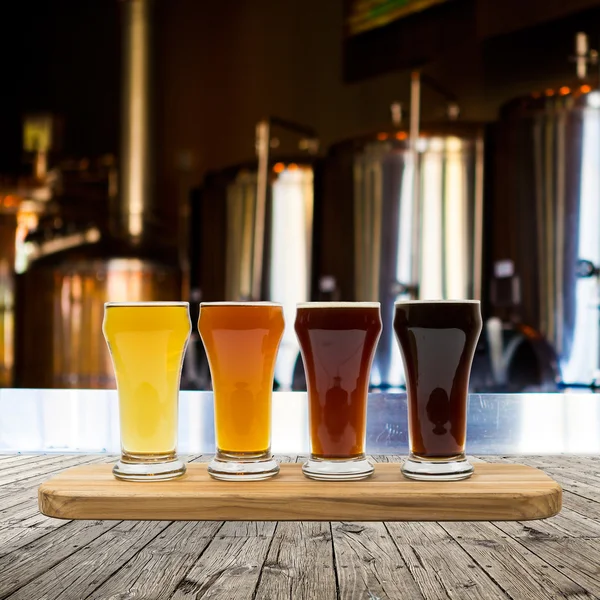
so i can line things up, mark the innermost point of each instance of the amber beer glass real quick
(437, 341)
(337, 342)
(147, 342)
(241, 341)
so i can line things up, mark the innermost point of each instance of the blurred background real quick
(294, 150)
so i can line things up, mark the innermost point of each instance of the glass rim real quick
(240, 303)
(401, 302)
(148, 304)
(338, 305)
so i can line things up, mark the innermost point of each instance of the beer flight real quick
(147, 343)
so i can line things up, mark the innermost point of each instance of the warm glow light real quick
(382, 136)
(292, 167)
(401, 135)
(585, 89)
(279, 167)
(535, 94)
(10, 201)
(564, 90)
(549, 92)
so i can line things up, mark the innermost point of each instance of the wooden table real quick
(45, 559)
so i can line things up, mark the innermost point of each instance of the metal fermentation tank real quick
(417, 234)
(118, 257)
(284, 274)
(8, 238)
(546, 242)
(266, 212)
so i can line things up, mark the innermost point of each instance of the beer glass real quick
(437, 341)
(337, 342)
(241, 341)
(147, 342)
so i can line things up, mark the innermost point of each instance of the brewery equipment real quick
(23, 201)
(546, 215)
(266, 209)
(416, 219)
(111, 252)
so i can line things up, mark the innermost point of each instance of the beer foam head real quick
(400, 302)
(240, 303)
(338, 305)
(109, 304)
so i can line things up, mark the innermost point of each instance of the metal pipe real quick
(478, 219)
(263, 137)
(415, 115)
(582, 48)
(135, 202)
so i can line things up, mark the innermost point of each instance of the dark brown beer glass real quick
(338, 341)
(437, 341)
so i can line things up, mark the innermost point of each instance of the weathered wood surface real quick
(50, 559)
(495, 492)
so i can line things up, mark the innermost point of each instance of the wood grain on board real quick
(496, 492)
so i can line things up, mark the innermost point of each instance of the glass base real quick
(133, 467)
(337, 470)
(232, 468)
(454, 468)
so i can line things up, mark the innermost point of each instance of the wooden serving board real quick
(496, 492)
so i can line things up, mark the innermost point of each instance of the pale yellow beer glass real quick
(147, 342)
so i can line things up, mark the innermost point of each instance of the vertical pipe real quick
(415, 115)
(582, 49)
(478, 219)
(263, 135)
(136, 186)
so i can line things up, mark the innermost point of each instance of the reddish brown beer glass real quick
(338, 341)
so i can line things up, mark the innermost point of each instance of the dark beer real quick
(338, 341)
(437, 340)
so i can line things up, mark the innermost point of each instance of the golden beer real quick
(241, 342)
(147, 342)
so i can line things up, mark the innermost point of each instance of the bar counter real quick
(43, 432)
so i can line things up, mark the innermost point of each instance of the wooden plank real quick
(23, 474)
(495, 492)
(161, 568)
(25, 564)
(440, 567)
(570, 482)
(79, 574)
(22, 459)
(157, 569)
(21, 507)
(231, 565)
(299, 563)
(563, 543)
(519, 572)
(575, 559)
(300, 560)
(20, 520)
(369, 565)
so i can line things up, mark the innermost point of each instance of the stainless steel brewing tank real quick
(417, 229)
(546, 222)
(276, 252)
(8, 235)
(60, 311)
